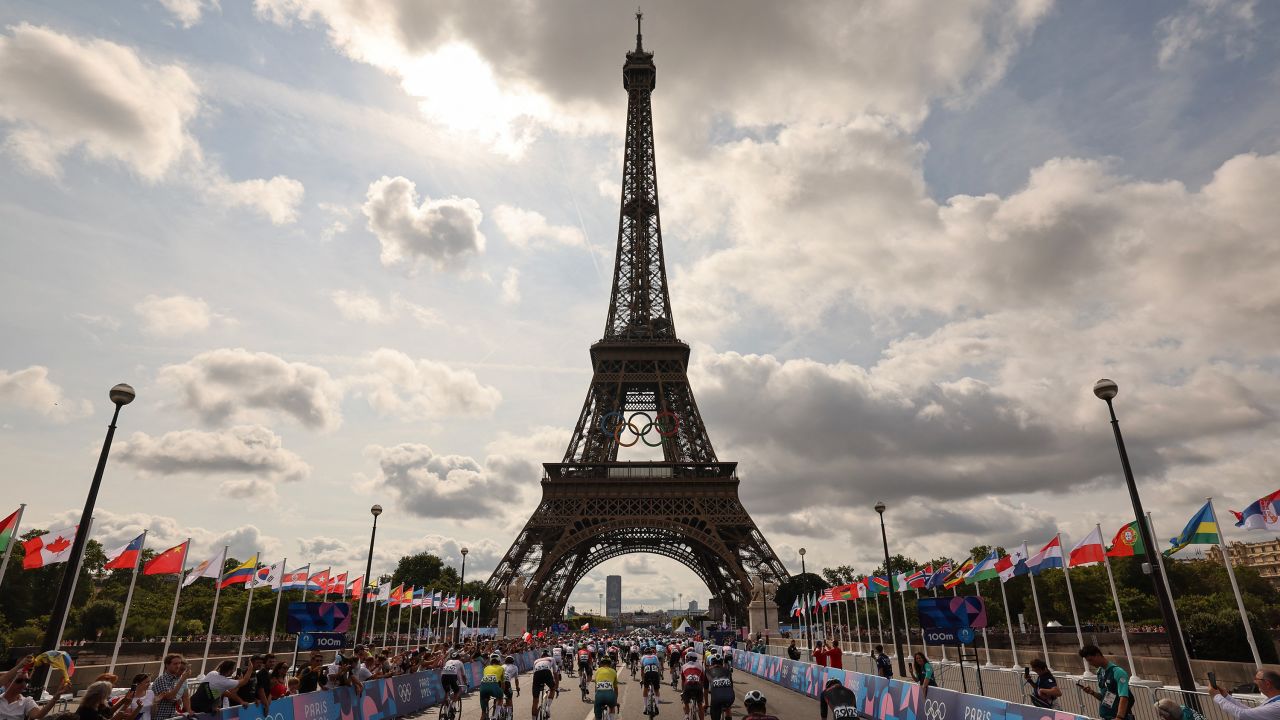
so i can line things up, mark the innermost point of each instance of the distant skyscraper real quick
(613, 596)
(693, 606)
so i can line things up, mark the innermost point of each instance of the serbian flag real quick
(356, 586)
(1089, 550)
(48, 549)
(318, 582)
(9, 529)
(126, 558)
(296, 580)
(168, 562)
(1049, 557)
(1261, 515)
(241, 574)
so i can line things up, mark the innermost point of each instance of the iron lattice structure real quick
(595, 508)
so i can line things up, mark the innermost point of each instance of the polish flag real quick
(1089, 550)
(48, 549)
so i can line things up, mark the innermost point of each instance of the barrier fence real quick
(1004, 693)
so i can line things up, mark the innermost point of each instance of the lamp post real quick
(808, 629)
(1107, 390)
(120, 395)
(893, 627)
(764, 597)
(462, 578)
(506, 608)
(376, 510)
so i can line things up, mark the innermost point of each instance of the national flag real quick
(241, 574)
(355, 586)
(437, 600)
(318, 581)
(397, 593)
(843, 592)
(211, 568)
(795, 606)
(1013, 564)
(957, 576)
(1089, 550)
(406, 597)
(167, 562)
(900, 582)
(384, 593)
(528, 636)
(126, 556)
(985, 570)
(48, 549)
(58, 660)
(271, 577)
(585, 627)
(1261, 515)
(421, 597)
(827, 597)
(296, 580)
(9, 529)
(1201, 529)
(337, 585)
(1127, 542)
(1049, 557)
(918, 578)
(937, 576)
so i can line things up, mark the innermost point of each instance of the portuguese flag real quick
(9, 529)
(1127, 543)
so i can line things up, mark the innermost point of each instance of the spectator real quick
(884, 666)
(1044, 688)
(293, 685)
(16, 706)
(793, 652)
(1115, 699)
(835, 656)
(922, 670)
(143, 697)
(820, 654)
(170, 689)
(313, 677)
(1268, 682)
(1167, 709)
(96, 704)
(224, 688)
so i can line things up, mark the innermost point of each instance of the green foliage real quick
(191, 627)
(26, 636)
(94, 619)
(795, 586)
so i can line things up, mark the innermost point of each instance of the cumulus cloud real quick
(115, 529)
(175, 315)
(222, 386)
(253, 455)
(360, 307)
(188, 12)
(511, 287)
(396, 385)
(527, 229)
(432, 485)
(31, 389)
(59, 94)
(443, 233)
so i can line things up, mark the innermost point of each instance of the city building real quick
(693, 607)
(1263, 556)
(613, 596)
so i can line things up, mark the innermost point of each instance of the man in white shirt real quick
(16, 706)
(1268, 682)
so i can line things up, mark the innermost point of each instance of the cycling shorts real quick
(542, 679)
(651, 679)
(449, 683)
(691, 693)
(605, 698)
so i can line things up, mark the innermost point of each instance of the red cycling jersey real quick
(693, 675)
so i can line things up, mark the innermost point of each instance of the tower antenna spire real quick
(639, 17)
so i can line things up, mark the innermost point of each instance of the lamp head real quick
(465, 551)
(376, 510)
(802, 552)
(122, 394)
(880, 507)
(1106, 389)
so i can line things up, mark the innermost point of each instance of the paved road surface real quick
(785, 704)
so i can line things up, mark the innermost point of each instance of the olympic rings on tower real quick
(615, 423)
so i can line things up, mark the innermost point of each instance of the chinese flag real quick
(168, 562)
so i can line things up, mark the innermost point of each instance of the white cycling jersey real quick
(452, 667)
(544, 664)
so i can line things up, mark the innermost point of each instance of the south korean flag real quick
(271, 577)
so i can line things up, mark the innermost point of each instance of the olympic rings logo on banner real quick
(934, 710)
(616, 423)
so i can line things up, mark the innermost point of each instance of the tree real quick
(796, 586)
(94, 619)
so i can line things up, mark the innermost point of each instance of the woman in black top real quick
(96, 704)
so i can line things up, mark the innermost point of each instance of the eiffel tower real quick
(595, 507)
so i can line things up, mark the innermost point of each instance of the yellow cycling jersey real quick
(606, 679)
(493, 674)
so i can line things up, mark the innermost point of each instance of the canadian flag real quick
(49, 548)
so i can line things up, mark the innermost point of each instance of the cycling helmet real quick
(691, 655)
(754, 697)
(606, 660)
(511, 658)
(832, 681)
(455, 655)
(544, 654)
(716, 659)
(495, 658)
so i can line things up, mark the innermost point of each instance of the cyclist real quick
(451, 675)
(754, 701)
(557, 655)
(584, 660)
(673, 660)
(720, 688)
(651, 674)
(841, 700)
(606, 679)
(491, 681)
(510, 675)
(544, 676)
(692, 682)
(633, 658)
(612, 653)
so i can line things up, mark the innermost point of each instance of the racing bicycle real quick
(544, 704)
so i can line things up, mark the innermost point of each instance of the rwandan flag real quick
(1202, 529)
(240, 575)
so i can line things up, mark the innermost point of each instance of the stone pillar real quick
(515, 615)
(762, 594)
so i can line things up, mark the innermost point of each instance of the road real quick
(785, 704)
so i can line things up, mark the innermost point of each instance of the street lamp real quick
(462, 578)
(1107, 390)
(893, 627)
(764, 597)
(120, 395)
(376, 510)
(808, 629)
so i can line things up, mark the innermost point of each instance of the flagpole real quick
(13, 538)
(173, 614)
(275, 616)
(213, 614)
(1075, 616)
(62, 628)
(1008, 620)
(1235, 587)
(1035, 597)
(977, 584)
(306, 580)
(386, 621)
(906, 624)
(1115, 599)
(1177, 622)
(399, 618)
(128, 598)
(924, 644)
(244, 629)
(944, 645)
(879, 622)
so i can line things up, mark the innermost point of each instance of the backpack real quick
(202, 700)
(883, 666)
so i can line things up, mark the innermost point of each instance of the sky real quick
(354, 252)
